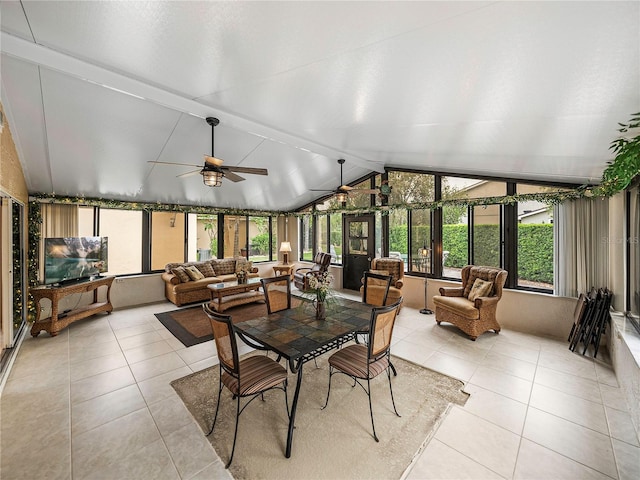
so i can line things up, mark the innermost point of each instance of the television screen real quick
(73, 258)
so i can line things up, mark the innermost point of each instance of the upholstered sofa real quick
(472, 309)
(387, 266)
(180, 288)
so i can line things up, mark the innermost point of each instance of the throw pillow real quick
(480, 288)
(243, 266)
(225, 266)
(375, 281)
(206, 269)
(181, 274)
(194, 273)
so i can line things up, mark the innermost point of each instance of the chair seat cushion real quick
(257, 373)
(460, 305)
(352, 360)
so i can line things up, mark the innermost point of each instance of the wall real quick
(12, 180)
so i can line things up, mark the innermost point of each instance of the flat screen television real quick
(74, 258)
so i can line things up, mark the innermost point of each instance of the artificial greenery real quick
(626, 164)
(35, 223)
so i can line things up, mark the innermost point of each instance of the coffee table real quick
(225, 295)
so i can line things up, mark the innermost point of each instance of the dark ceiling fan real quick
(343, 191)
(213, 171)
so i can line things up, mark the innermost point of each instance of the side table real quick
(282, 269)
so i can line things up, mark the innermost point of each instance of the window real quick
(235, 236)
(167, 238)
(259, 247)
(398, 235)
(85, 221)
(633, 256)
(455, 227)
(487, 237)
(535, 240)
(306, 238)
(124, 229)
(202, 237)
(421, 241)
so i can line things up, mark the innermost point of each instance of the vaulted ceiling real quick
(94, 91)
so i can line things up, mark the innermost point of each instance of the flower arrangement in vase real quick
(320, 286)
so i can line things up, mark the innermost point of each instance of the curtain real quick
(57, 221)
(581, 247)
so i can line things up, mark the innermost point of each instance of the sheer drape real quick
(582, 246)
(57, 221)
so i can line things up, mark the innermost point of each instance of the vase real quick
(321, 311)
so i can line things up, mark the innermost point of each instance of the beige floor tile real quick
(441, 462)
(199, 352)
(572, 408)
(536, 462)
(170, 415)
(412, 351)
(450, 365)
(156, 366)
(158, 388)
(510, 365)
(628, 458)
(127, 343)
(580, 387)
(497, 450)
(496, 408)
(100, 384)
(621, 426)
(606, 374)
(80, 370)
(190, 450)
(85, 351)
(145, 352)
(214, 470)
(613, 397)
(579, 443)
(568, 362)
(513, 387)
(134, 330)
(515, 350)
(103, 409)
(464, 350)
(97, 449)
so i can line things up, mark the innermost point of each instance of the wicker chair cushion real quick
(206, 269)
(480, 288)
(257, 373)
(484, 273)
(375, 281)
(181, 273)
(393, 267)
(352, 360)
(459, 305)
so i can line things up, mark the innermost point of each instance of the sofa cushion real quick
(480, 288)
(224, 266)
(206, 269)
(194, 273)
(195, 285)
(181, 273)
(460, 305)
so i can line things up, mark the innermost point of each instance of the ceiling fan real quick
(213, 171)
(343, 191)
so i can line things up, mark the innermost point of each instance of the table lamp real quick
(285, 248)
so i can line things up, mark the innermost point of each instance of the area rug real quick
(191, 326)
(335, 443)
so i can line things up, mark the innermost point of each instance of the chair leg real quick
(235, 434)
(217, 408)
(373, 426)
(395, 374)
(391, 390)
(329, 389)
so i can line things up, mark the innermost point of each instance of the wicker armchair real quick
(476, 315)
(321, 263)
(387, 266)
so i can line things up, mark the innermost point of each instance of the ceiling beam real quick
(68, 65)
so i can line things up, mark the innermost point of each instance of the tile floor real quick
(95, 403)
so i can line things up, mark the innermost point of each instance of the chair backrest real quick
(497, 276)
(395, 267)
(277, 293)
(321, 262)
(376, 296)
(381, 330)
(225, 338)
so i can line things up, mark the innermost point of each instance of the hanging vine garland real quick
(35, 222)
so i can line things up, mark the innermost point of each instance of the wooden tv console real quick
(59, 320)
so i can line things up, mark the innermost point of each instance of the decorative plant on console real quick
(320, 287)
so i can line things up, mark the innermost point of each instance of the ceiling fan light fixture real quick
(211, 178)
(341, 197)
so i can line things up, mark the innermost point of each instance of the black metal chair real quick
(365, 362)
(277, 293)
(249, 377)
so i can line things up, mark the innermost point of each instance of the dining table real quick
(296, 335)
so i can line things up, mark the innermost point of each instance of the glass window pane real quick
(203, 237)
(235, 236)
(460, 187)
(335, 247)
(306, 238)
(259, 239)
(275, 243)
(398, 235)
(455, 240)
(322, 233)
(633, 250)
(124, 230)
(409, 188)
(360, 200)
(421, 241)
(167, 238)
(535, 240)
(486, 235)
